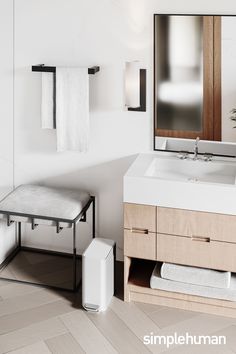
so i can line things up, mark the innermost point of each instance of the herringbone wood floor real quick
(34, 320)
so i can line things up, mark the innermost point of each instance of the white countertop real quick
(208, 197)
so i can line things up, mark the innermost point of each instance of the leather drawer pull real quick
(200, 239)
(139, 231)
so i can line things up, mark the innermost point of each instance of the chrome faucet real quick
(195, 156)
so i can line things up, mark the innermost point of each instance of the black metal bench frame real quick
(81, 217)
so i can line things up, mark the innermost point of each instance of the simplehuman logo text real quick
(186, 339)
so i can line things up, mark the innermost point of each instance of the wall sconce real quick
(135, 87)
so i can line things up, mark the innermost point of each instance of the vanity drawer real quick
(196, 251)
(140, 217)
(189, 223)
(140, 244)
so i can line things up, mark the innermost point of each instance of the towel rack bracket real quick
(52, 69)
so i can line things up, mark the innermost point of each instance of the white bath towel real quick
(156, 282)
(198, 276)
(47, 104)
(72, 109)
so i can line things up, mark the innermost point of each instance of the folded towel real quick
(72, 109)
(47, 104)
(198, 276)
(156, 282)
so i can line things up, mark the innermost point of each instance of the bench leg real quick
(19, 234)
(114, 255)
(74, 258)
(93, 216)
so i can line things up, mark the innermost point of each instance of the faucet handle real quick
(183, 155)
(207, 157)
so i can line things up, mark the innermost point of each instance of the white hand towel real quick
(72, 109)
(156, 282)
(193, 275)
(47, 104)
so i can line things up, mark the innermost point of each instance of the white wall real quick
(79, 32)
(7, 235)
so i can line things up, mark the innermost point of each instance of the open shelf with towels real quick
(52, 69)
(137, 274)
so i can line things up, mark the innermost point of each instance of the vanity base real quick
(137, 275)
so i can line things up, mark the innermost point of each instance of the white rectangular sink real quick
(189, 170)
(164, 180)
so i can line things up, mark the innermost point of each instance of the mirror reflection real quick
(180, 72)
(194, 69)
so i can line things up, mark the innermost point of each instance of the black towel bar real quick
(52, 69)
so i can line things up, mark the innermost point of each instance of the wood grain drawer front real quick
(193, 223)
(140, 245)
(199, 252)
(140, 217)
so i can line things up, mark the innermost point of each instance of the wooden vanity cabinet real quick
(140, 231)
(188, 223)
(196, 238)
(178, 236)
(197, 252)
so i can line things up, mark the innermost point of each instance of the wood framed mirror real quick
(191, 57)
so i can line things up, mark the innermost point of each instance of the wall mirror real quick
(194, 81)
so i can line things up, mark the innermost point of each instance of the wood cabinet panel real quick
(140, 245)
(140, 217)
(189, 223)
(199, 252)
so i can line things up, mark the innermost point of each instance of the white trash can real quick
(98, 262)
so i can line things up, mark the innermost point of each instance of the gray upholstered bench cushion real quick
(44, 201)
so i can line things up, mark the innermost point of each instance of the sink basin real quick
(164, 180)
(172, 168)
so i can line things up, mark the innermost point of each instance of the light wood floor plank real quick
(4, 282)
(200, 349)
(7, 273)
(198, 325)
(40, 270)
(25, 318)
(37, 348)
(34, 258)
(149, 308)
(116, 331)
(202, 324)
(169, 316)
(137, 321)
(65, 344)
(11, 290)
(50, 270)
(31, 334)
(230, 333)
(86, 333)
(54, 278)
(27, 302)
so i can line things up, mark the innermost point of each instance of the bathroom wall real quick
(7, 235)
(87, 33)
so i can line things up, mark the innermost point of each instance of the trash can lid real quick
(99, 248)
